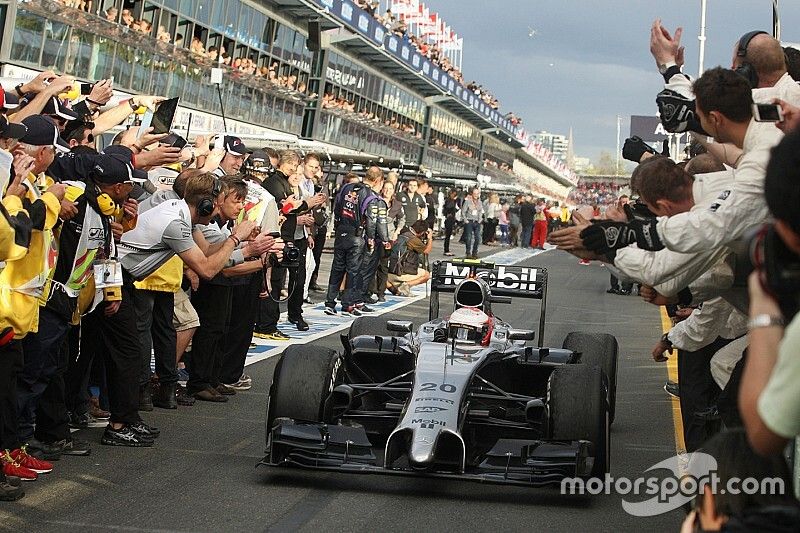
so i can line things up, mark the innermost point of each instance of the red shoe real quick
(25, 460)
(13, 468)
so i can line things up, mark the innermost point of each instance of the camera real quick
(291, 257)
(778, 268)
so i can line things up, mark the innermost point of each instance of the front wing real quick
(348, 450)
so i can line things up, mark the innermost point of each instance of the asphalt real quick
(202, 475)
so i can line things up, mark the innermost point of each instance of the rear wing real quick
(512, 281)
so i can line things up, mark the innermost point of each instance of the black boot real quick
(165, 397)
(145, 398)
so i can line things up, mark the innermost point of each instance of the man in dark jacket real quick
(527, 211)
(290, 206)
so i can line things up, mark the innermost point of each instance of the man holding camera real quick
(291, 208)
(768, 397)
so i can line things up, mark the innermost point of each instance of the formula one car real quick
(460, 396)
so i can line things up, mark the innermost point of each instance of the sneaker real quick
(125, 436)
(673, 389)
(404, 289)
(12, 468)
(96, 411)
(225, 390)
(308, 301)
(365, 309)
(331, 311)
(244, 378)
(272, 336)
(613, 291)
(352, 311)
(84, 421)
(373, 299)
(240, 385)
(42, 450)
(141, 428)
(301, 324)
(26, 460)
(73, 446)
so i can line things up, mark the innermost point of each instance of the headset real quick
(205, 207)
(746, 70)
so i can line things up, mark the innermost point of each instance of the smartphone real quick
(164, 115)
(767, 113)
(86, 88)
(147, 119)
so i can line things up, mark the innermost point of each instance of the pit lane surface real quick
(201, 474)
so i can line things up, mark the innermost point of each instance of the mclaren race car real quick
(459, 396)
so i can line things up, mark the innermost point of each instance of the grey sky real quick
(599, 51)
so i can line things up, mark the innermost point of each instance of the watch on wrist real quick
(665, 340)
(19, 91)
(765, 321)
(664, 67)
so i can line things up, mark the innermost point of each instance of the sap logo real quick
(428, 423)
(522, 278)
(429, 409)
(440, 400)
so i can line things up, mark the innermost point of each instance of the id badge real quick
(107, 273)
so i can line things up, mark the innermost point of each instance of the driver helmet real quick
(469, 324)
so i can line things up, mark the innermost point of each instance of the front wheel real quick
(302, 385)
(578, 410)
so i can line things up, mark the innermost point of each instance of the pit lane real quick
(201, 474)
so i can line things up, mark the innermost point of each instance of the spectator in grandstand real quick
(768, 398)
(451, 207)
(740, 510)
(404, 265)
(472, 214)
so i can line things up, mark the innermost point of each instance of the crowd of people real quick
(736, 344)
(595, 193)
(141, 250)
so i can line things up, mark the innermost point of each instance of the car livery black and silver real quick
(460, 396)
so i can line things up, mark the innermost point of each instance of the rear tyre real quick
(369, 325)
(302, 385)
(599, 349)
(578, 410)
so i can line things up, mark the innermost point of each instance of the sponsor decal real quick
(440, 400)
(713, 207)
(429, 409)
(428, 423)
(502, 277)
(724, 195)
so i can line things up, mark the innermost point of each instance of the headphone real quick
(205, 207)
(746, 70)
(106, 204)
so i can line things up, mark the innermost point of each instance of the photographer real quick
(404, 268)
(296, 242)
(769, 398)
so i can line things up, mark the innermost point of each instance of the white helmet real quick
(469, 324)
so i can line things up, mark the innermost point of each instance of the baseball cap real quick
(42, 131)
(11, 130)
(259, 159)
(235, 146)
(55, 107)
(114, 168)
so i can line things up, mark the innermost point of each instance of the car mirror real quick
(400, 326)
(521, 334)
